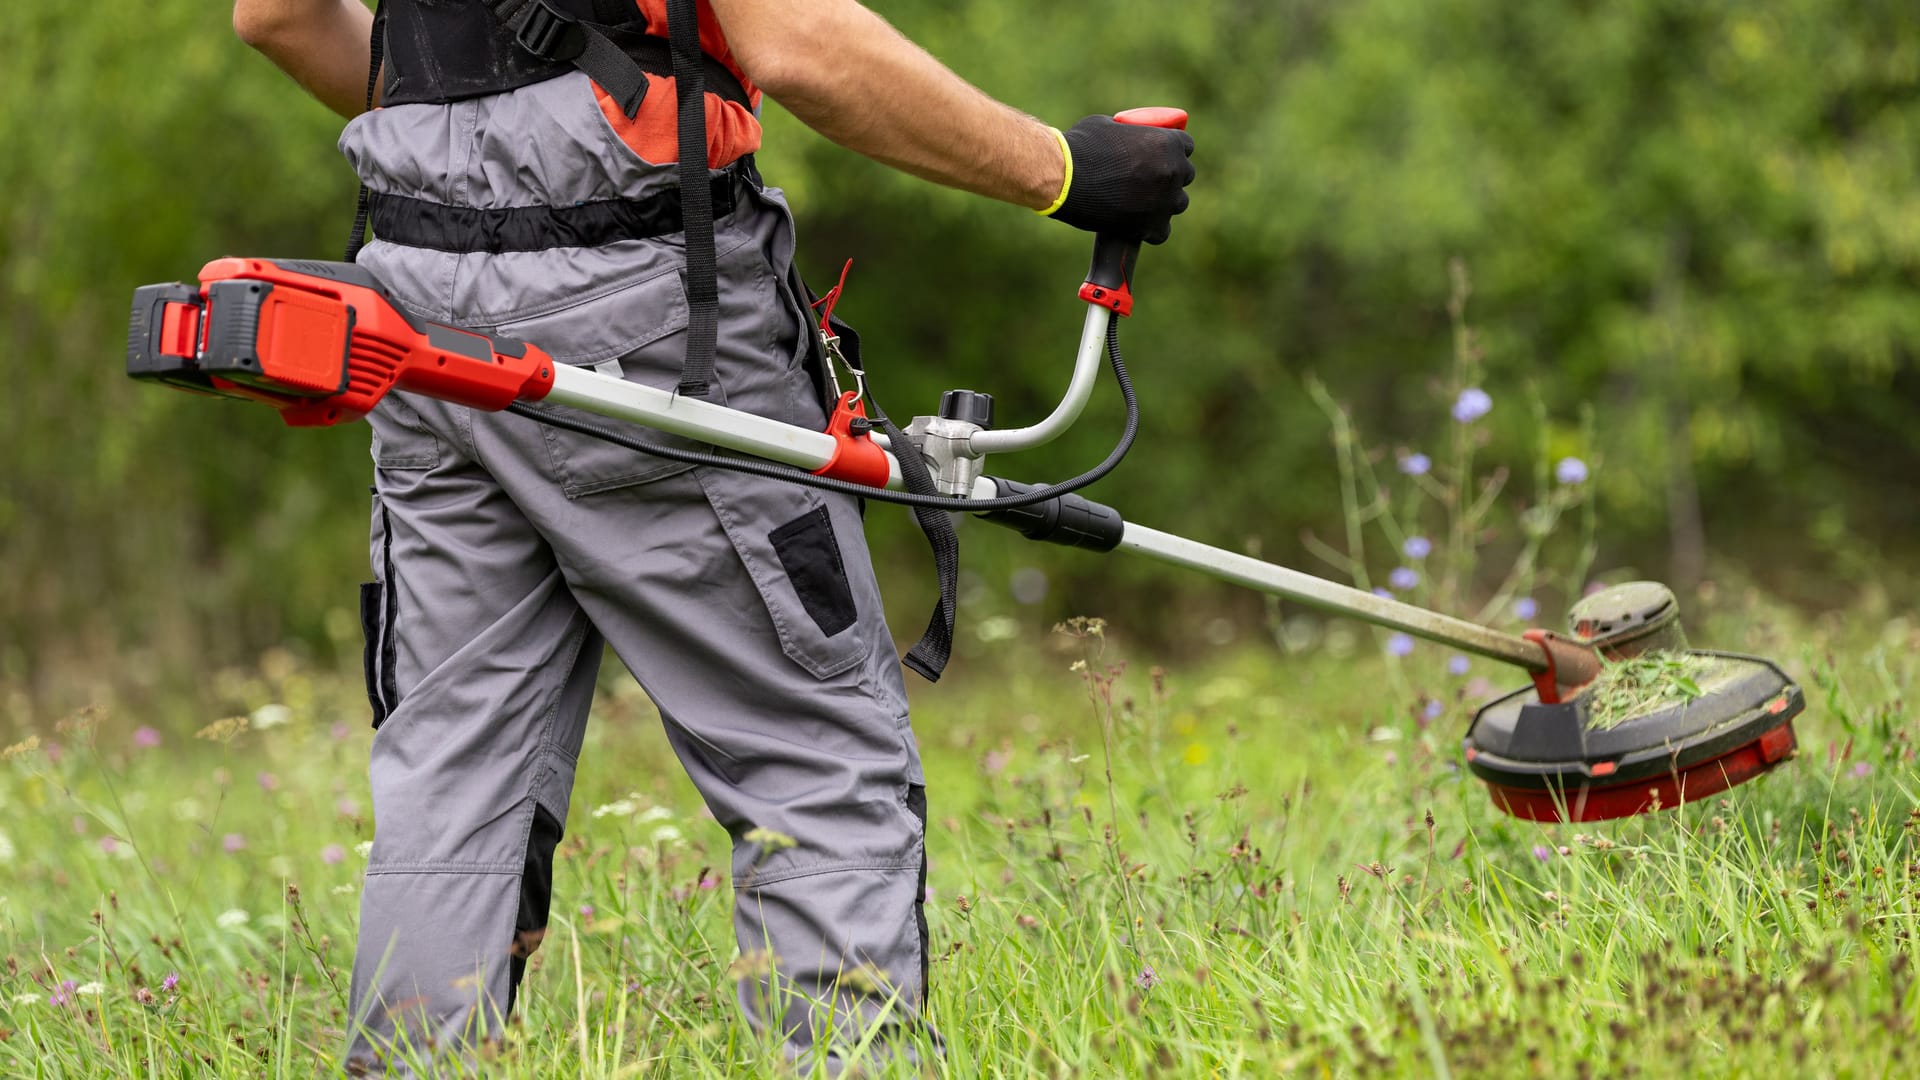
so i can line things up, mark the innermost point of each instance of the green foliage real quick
(1128, 878)
(1700, 219)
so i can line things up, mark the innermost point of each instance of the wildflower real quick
(1416, 464)
(267, 716)
(769, 840)
(1399, 645)
(333, 854)
(1525, 608)
(91, 989)
(1382, 592)
(145, 996)
(1417, 548)
(1862, 768)
(233, 843)
(1472, 404)
(707, 883)
(171, 982)
(347, 808)
(63, 996)
(620, 807)
(665, 834)
(1028, 585)
(26, 999)
(1542, 852)
(340, 731)
(146, 738)
(1148, 978)
(1457, 664)
(230, 919)
(364, 849)
(25, 746)
(586, 911)
(1403, 578)
(658, 813)
(1433, 709)
(267, 781)
(108, 845)
(1571, 470)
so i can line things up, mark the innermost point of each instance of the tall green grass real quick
(1249, 867)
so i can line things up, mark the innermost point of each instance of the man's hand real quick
(1126, 181)
(322, 44)
(850, 76)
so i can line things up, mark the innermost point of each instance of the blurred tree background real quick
(1699, 217)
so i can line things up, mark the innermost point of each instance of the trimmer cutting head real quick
(1600, 754)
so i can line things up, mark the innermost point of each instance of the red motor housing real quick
(322, 342)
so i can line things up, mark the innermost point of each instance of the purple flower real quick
(1148, 978)
(145, 738)
(1542, 852)
(1525, 608)
(340, 731)
(1472, 404)
(1382, 592)
(1417, 548)
(171, 982)
(1399, 645)
(1457, 664)
(333, 854)
(1416, 464)
(586, 911)
(1403, 578)
(109, 845)
(233, 843)
(1571, 470)
(1433, 709)
(1862, 768)
(267, 781)
(347, 808)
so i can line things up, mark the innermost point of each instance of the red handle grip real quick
(1155, 116)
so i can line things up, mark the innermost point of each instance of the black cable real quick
(776, 471)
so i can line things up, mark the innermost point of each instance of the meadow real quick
(1261, 861)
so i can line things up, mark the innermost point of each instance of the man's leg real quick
(748, 610)
(483, 666)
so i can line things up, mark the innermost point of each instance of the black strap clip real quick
(543, 30)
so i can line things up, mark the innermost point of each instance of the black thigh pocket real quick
(811, 558)
(372, 611)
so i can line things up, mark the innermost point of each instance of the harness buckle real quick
(549, 33)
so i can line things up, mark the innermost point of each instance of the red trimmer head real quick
(1552, 762)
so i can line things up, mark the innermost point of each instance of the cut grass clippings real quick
(1643, 684)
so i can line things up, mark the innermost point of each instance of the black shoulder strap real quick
(376, 49)
(696, 200)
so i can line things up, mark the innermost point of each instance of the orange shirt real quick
(732, 129)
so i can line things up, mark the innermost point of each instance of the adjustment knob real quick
(968, 405)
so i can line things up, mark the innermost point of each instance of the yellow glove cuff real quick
(1066, 184)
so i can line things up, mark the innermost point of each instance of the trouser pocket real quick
(372, 596)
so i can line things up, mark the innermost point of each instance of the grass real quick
(1288, 873)
(1641, 684)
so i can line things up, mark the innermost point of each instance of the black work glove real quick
(1126, 181)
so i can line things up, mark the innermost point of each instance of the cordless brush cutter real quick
(324, 342)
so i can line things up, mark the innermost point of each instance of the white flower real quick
(658, 813)
(6, 849)
(666, 834)
(364, 848)
(26, 999)
(622, 807)
(343, 890)
(231, 918)
(188, 810)
(267, 716)
(91, 989)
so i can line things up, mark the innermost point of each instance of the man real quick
(506, 553)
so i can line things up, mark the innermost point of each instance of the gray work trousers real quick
(506, 553)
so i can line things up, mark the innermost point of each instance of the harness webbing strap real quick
(413, 222)
(696, 206)
(376, 50)
(551, 35)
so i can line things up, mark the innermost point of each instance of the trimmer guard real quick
(1545, 763)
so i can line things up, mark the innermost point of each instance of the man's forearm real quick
(850, 76)
(322, 44)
